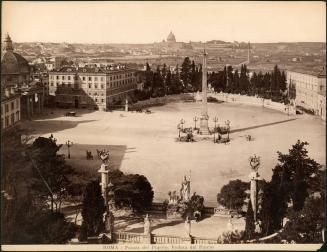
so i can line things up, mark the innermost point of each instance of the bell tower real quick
(7, 44)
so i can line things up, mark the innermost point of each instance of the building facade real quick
(16, 77)
(96, 88)
(310, 91)
(10, 108)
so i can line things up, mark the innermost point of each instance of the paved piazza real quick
(146, 143)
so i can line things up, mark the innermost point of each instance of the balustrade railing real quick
(128, 237)
(166, 239)
(199, 240)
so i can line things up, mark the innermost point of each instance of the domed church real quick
(22, 97)
(14, 67)
(171, 37)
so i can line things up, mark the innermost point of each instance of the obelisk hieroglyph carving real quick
(204, 129)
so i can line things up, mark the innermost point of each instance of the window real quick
(63, 77)
(95, 93)
(110, 78)
(101, 78)
(95, 85)
(69, 85)
(90, 86)
(12, 119)
(12, 106)
(83, 78)
(6, 108)
(57, 77)
(90, 78)
(51, 84)
(68, 77)
(102, 86)
(102, 100)
(96, 100)
(6, 121)
(95, 78)
(17, 116)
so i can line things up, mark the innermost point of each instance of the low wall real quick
(254, 101)
(161, 100)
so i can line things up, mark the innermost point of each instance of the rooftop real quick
(315, 72)
(93, 70)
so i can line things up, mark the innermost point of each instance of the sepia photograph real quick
(155, 126)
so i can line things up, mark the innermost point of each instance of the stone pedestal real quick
(146, 239)
(187, 240)
(204, 128)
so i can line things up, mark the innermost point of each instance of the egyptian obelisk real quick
(204, 129)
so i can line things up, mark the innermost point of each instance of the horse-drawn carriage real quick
(89, 155)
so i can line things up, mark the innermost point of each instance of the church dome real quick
(171, 37)
(11, 62)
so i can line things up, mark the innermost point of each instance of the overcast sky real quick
(147, 22)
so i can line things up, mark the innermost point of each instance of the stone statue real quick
(147, 225)
(185, 189)
(103, 155)
(187, 227)
(257, 227)
(230, 226)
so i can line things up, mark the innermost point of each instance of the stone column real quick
(254, 193)
(204, 129)
(126, 105)
(254, 178)
(104, 181)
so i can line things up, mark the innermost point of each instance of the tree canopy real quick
(131, 190)
(233, 194)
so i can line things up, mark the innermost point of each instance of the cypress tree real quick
(93, 209)
(249, 223)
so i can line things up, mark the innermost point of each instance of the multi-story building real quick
(95, 88)
(310, 91)
(10, 108)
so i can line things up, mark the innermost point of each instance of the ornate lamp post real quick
(227, 123)
(215, 119)
(195, 119)
(69, 144)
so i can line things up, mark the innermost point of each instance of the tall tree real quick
(148, 78)
(93, 209)
(51, 175)
(292, 180)
(169, 82)
(249, 223)
(233, 194)
(186, 72)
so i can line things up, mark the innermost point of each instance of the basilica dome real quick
(11, 62)
(171, 37)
